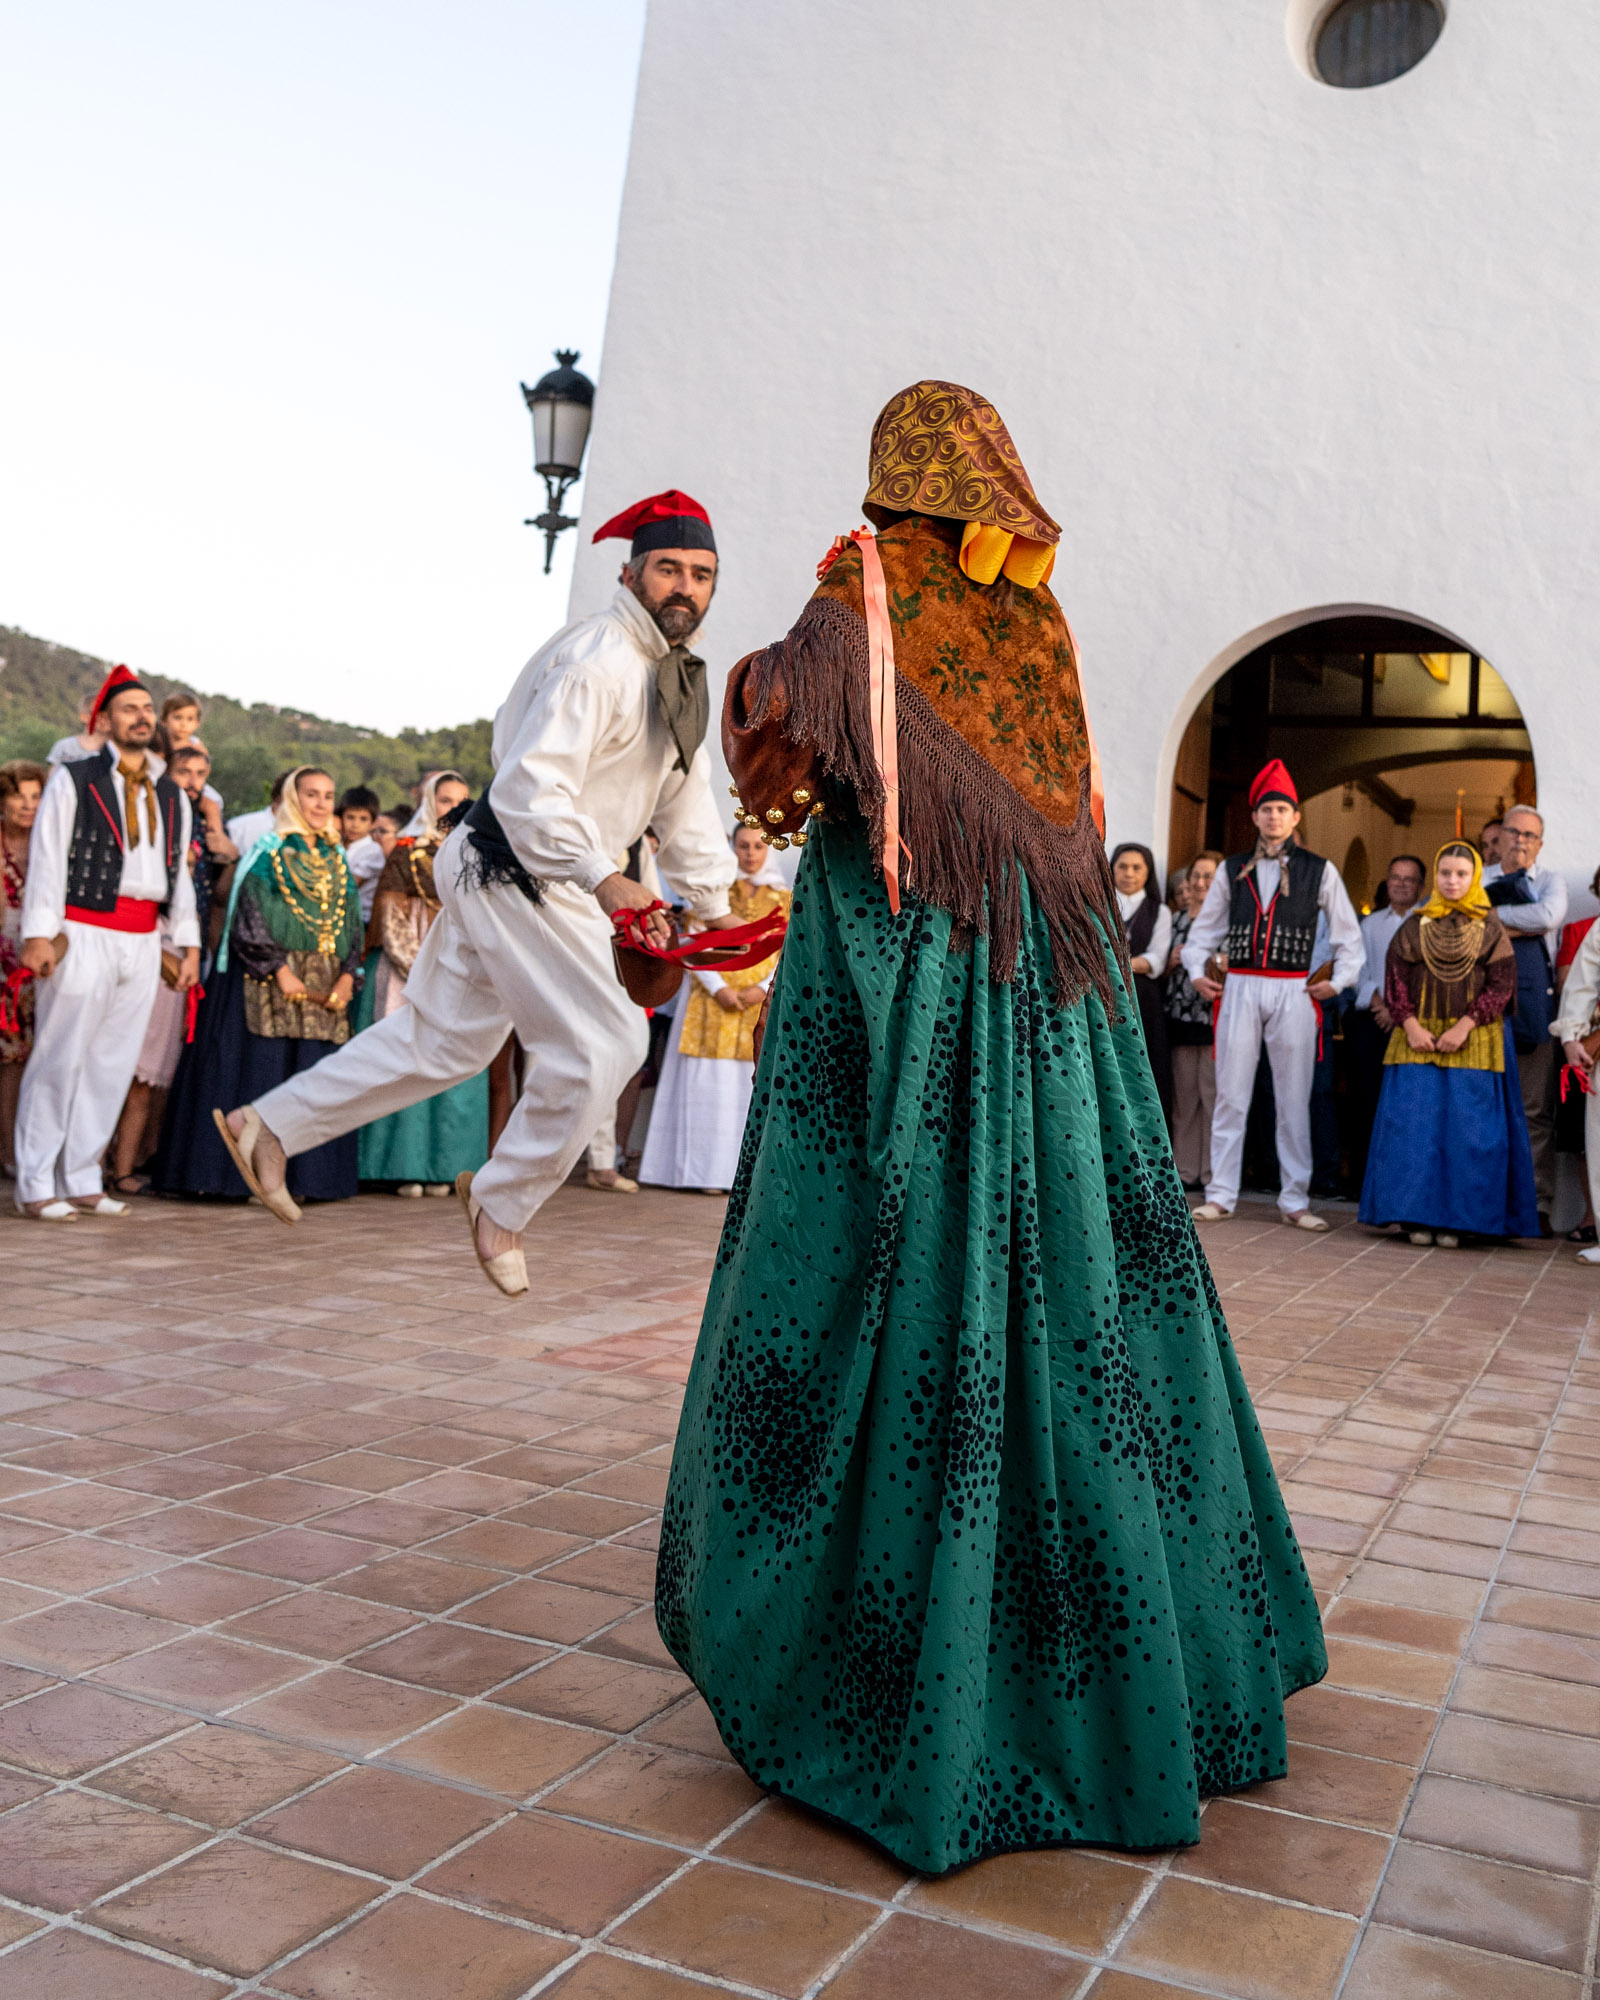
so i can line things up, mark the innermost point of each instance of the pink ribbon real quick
(881, 700)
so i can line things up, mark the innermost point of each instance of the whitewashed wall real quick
(1267, 348)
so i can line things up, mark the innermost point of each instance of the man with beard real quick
(602, 735)
(107, 875)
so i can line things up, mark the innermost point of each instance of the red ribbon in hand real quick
(1581, 1077)
(191, 1007)
(10, 1000)
(730, 950)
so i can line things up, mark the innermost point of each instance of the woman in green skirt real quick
(423, 1148)
(972, 1541)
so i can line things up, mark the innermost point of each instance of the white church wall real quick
(1267, 348)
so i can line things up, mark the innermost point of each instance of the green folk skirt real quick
(433, 1141)
(972, 1540)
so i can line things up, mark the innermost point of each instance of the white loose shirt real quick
(1160, 938)
(245, 829)
(1579, 997)
(584, 763)
(1210, 928)
(144, 868)
(1377, 934)
(365, 858)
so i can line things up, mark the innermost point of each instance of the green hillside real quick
(41, 685)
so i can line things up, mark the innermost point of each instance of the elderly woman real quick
(971, 1539)
(1190, 1034)
(423, 1148)
(277, 1001)
(1449, 1154)
(21, 787)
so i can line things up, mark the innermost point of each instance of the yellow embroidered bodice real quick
(710, 1030)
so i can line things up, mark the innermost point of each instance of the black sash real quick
(488, 855)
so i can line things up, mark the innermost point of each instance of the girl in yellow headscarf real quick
(1449, 1154)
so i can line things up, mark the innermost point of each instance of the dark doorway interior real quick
(1342, 701)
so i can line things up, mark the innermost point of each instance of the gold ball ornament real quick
(799, 839)
(780, 840)
(775, 815)
(802, 797)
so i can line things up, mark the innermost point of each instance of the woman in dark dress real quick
(1190, 1034)
(277, 1001)
(1450, 1155)
(971, 1540)
(1147, 926)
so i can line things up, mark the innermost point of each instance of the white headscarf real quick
(769, 875)
(423, 825)
(287, 817)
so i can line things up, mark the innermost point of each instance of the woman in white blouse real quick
(1147, 925)
(1576, 1013)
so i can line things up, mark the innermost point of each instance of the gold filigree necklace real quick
(315, 881)
(1450, 949)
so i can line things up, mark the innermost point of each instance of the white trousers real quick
(89, 1022)
(603, 1146)
(492, 963)
(1281, 1013)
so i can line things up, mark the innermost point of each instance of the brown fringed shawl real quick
(994, 752)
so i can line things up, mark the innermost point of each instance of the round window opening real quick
(1360, 43)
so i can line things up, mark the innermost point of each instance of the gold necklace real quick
(1450, 950)
(316, 882)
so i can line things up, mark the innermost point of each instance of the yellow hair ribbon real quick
(983, 550)
(1029, 563)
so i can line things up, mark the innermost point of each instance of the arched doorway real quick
(1390, 728)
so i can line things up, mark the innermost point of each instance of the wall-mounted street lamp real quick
(561, 404)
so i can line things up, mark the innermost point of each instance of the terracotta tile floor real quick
(327, 1668)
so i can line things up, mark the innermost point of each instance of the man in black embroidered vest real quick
(1259, 924)
(107, 886)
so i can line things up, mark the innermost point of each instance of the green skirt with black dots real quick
(972, 1540)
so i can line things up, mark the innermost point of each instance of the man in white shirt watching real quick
(602, 735)
(108, 878)
(1532, 904)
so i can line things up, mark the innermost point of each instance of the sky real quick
(273, 275)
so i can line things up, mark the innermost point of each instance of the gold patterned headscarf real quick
(943, 450)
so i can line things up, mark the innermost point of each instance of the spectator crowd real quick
(1430, 1059)
(281, 932)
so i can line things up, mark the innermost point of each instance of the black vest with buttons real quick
(94, 860)
(1279, 937)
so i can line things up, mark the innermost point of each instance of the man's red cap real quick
(1273, 782)
(669, 520)
(118, 681)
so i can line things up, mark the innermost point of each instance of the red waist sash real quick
(132, 913)
(1261, 972)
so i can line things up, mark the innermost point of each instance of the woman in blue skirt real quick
(1450, 1153)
